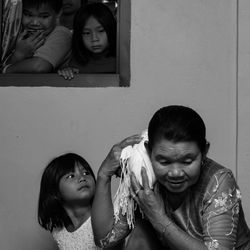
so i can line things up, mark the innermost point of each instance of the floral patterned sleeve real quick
(221, 212)
(119, 232)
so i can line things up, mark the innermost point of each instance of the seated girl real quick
(66, 194)
(67, 190)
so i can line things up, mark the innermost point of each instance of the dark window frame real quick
(120, 79)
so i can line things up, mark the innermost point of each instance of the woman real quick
(195, 203)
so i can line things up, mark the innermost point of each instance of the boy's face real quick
(42, 18)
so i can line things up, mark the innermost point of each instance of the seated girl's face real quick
(77, 185)
(94, 36)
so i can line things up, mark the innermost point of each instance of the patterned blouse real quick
(212, 210)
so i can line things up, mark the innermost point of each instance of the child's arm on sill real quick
(30, 65)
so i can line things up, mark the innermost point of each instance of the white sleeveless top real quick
(81, 239)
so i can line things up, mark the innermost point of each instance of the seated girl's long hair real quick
(51, 213)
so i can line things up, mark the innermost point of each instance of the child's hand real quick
(111, 165)
(27, 44)
(68, 73)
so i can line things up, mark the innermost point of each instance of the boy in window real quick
(42, 45)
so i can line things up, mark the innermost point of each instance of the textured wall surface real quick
(182, 52)
(244, 104)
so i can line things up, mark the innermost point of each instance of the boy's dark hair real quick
(178, 124)
(105, 17)
(56, 5)
(51, 213)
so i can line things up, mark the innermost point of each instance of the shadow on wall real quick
(44, 241)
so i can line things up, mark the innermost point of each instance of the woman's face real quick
(176, 164)
(94, 36)
(77, 185)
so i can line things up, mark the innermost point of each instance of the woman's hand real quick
(102, 212)
(27, 44)
(150, 201)
(111, 165)
(68, 73)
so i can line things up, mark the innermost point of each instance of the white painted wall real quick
(244, 104)
(182, 52)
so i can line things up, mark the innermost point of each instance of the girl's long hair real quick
(51, 213)
(105, 17)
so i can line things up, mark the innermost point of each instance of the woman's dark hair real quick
(56, 5)
(178, 124)
(51, 213)
(105, 17)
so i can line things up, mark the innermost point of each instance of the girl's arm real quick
(106, 232)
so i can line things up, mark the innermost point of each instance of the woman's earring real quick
(203, 162)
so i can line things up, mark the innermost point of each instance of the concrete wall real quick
(182, 52)
(243, 138)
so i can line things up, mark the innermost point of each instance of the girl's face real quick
(176, 165)
(77, 186)
(94, 36)
(41, 19)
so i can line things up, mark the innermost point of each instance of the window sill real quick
(54, 80)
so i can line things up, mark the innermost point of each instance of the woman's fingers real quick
(145, 181)
(111, 165)
(118, 172)
(131, 140)
(117, 148)
(136, 187)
